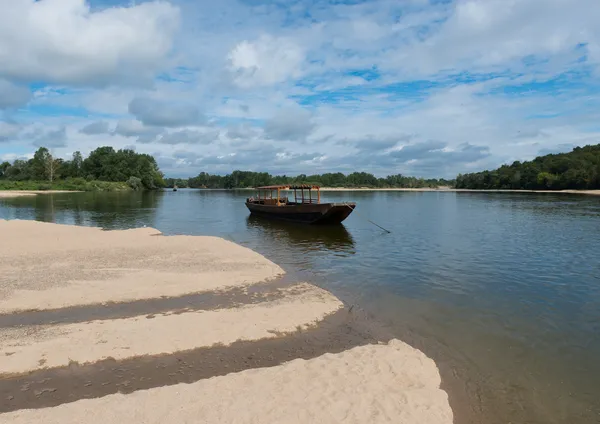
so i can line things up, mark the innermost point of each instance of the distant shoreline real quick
(19, 193)
(466, 190)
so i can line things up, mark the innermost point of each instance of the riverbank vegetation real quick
(105, 169)
(576, 170)
(247, 179)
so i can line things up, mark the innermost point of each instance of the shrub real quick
(135, 183)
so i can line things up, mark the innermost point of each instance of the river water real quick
(502, 290)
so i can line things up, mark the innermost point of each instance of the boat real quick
(175, 187)
(306, 206)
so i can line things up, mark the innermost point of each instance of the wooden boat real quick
(175, 187)
(306, 207)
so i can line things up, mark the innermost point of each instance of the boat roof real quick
(290, 187)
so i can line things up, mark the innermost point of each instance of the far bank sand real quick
(21, 193)
(241, 361)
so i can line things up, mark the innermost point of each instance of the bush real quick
(135, 183)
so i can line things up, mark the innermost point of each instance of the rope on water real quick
(377, 225)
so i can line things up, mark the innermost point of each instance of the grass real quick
(70, 184)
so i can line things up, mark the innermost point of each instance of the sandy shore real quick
(21, 193)
(132, 326)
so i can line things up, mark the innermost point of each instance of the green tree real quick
(578, 169)
(3, 168)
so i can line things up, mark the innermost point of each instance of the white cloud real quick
(65, 41)
(50, 138)
(265, 61)
(189, 137)
(290, 124)
(8, 131)
(165, 114)
(134, 128)
(12, 95)
(99, 127)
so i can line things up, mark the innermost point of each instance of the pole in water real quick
(377, 225)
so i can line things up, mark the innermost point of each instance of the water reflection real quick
(105, 210)
(308, 237)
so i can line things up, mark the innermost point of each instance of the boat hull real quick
(317, 213)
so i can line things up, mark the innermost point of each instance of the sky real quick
(429, 88)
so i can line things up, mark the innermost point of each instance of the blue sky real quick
(425, 88)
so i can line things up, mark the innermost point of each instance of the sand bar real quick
(238, 360)
(48, 266)
(368, 384)
(21, 193)
(27, 349)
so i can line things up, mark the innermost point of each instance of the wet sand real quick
(232, 343)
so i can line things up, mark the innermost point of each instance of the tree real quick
(578, 169)
(3, 168)
(76, 165)
(38, 164)
(52, 167)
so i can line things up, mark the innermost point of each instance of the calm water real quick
(502, 290)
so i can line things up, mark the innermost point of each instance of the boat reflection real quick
(307, 237)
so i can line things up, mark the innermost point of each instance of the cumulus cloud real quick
(99, 127)
(418, 150)
(242, 132)
(266, 61)
(189, 137)
(133, 128)
(48, 138)
(165, 114)
(12, 95)
(290, 124)
(65, 41)
(8, 131)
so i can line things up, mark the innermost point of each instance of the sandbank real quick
(48, 266)
(21, 193)
(241, 360)
(58, 345)
(368, 384)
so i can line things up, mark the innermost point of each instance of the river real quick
(502, 290)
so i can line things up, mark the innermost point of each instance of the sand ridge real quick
(368, 384)
(58, 345)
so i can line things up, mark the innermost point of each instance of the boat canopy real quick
(268, 193)
(290, 187)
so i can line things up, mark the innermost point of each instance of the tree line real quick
(576, 170)
(248, 179)
(139, 171)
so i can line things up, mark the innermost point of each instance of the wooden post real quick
(277, 197)
(318, 195)
(295, 196)
(302, 190)
(309, 195)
